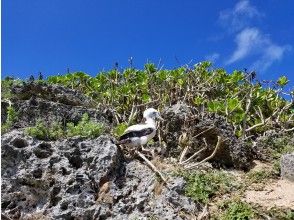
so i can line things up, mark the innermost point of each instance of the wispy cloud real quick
(251, 41)
(241, 22)
(212, 57)
(270, 55)
(240, 16)
(247, 42)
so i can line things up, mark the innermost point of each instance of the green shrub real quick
(85, 128)
(119, 129)
(44, 132)
(236, 210)
(212, 89)
(259, 176)
(12, 117)
(201, 186)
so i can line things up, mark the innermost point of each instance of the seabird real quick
(139, 134)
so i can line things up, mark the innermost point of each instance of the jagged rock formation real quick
(82, 179)
(181, 118)
(35, 101)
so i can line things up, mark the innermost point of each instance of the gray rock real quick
(273, 141)
(51, 103)
(287, 166)
(83, 179)
(4, 106)
(54, 93)
(181, 118)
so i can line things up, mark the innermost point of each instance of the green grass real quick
(202, 186)
(259, 176)
(85, 128)
(236, 210)
(42, 131)
(12, 117)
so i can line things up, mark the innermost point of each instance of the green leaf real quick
(198, 100)
(146, 98)
(232, 104)
(282, 81)
(120, 129)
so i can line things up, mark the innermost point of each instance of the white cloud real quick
(246, 42)
(240, 16)
(251, 41)
(241, 22)
(271, 54)
(212, 57)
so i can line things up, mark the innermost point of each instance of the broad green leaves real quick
(233, 104)
(282, 81)
(216, 106)
(214, 90)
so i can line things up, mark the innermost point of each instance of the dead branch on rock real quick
(194, 155)
(287, 130)
(152, 167)
(184, 152)
(204, 214)
(219, 141)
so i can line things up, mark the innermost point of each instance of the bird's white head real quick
(152, 113)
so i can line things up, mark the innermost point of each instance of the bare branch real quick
(290, 129)
(208, 129)
(152, 166)
(131, 115)
(264, 122)
(219, 141)
(193, 156)
(248, 105)
(286, 107)
(261, 115)
(183, 154)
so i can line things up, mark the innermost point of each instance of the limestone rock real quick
(83, 179)
(287, 166)
(181, 118)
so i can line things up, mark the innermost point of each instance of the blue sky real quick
(87, 35)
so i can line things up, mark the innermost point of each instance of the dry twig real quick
(219, 141)
(152, 166)
(184, 152)
(193, 156)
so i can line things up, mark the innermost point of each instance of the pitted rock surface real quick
(50, 103)
(54, 93)
(83, 179)
(181, 118)
(287, 166)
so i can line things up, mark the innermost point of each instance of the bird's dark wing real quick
(136, 133)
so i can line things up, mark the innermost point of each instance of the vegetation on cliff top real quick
(250, 105)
